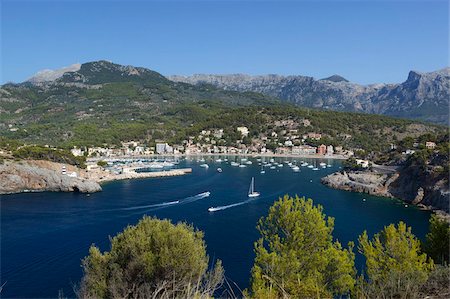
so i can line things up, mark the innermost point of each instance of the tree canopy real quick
(395, 265)
(153, 259)
(437, 243)
(296, 256)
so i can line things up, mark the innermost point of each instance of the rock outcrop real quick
(359, 181)
(33, 176)
(404, 184)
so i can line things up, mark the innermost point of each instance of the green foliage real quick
(437, 244)
(102, 163)
(296, 256)
(395, 266)
(116, 104)
(50, 154)
(9, 144)
(351, 164)
(152, 259)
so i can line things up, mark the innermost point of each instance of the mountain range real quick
(423, 96)
(102, 102)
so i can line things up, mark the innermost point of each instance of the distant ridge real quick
(101, 102)
(423, 96)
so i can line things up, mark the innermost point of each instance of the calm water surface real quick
(44, 236)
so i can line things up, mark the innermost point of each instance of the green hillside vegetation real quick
(37, 152)
(105, 103)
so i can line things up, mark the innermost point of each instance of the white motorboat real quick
(219, 169)
(204, 165)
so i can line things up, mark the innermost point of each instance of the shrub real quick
(154, 259)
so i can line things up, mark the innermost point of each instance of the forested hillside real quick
(105, 103)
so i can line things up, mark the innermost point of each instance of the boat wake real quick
(220, 208)
(186, 200)
(152, 206)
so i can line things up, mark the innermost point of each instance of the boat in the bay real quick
(204, 165)
(251, 190)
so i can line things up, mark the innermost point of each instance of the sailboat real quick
(262, 170)
(251, 190)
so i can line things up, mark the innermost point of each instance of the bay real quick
(45, 235)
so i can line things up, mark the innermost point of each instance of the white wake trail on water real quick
(220, 208)
(186, 200)
(151, 206)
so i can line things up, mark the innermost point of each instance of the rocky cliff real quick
(409, 185)
(29, 176)
(422, 96)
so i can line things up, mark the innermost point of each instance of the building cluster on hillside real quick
(428, 145)
(286, 140)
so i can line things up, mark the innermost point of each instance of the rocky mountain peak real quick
(48, 75)
(335, 78)
(102, 71)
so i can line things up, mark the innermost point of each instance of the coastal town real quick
(212, 142)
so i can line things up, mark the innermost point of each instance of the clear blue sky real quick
(364, 41)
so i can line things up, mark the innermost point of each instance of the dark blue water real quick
(44, 236)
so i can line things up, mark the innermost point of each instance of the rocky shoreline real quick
(35, 176)
(39, 176)
(393, 185)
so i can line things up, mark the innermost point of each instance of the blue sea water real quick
(44, 236)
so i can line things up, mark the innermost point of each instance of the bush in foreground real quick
(154, 259)
(437, 243)
(296, 256)
(395, 266)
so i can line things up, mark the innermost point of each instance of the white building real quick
(161, 148)
(288, 143)
(218, 133)
(303, 150)
(77, 152)
(362, 163)
(330, 150)
(243, 131)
